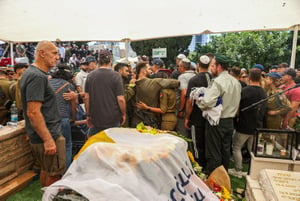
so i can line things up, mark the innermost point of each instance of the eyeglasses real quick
(244, 76)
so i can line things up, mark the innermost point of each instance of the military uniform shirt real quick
(226, 87)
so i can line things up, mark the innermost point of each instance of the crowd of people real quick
(70, 54)
(208, 103)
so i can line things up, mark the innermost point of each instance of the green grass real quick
(30, 193)
(238, 185)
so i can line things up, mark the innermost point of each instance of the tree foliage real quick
(248, 48)
(174, 46)
(290, 44)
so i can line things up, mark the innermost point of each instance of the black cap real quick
(158, 62)
(90, 59)
(290, 72)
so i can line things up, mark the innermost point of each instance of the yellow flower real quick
(143, 129)
(225, 193)
(191, 156)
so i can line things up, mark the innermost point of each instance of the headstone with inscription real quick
(279, 185)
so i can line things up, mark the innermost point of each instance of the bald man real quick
(43, 123)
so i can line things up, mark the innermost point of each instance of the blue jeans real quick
(66, 131)
(95, 130)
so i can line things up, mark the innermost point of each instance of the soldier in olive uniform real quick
(277, 106)
(5, 97)
(167, 106)
(123, 70)
(148, 92)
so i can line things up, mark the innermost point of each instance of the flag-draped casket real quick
(126, 165)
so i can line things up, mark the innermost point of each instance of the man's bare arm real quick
(188, 112)
(86, 100)
(294, 105)
(182, 102)
(122, 105)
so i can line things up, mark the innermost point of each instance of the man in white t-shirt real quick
(81, 76)
(185, 75)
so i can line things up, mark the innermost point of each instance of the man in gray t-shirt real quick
(43, 123)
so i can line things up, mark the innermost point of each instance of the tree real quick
(290, 44)
(174, 46)
(247, 48)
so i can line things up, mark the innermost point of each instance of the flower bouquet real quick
(219, 190)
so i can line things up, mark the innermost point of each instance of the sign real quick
(159, 53)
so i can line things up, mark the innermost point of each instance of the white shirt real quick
(62, 52)
(81, 78)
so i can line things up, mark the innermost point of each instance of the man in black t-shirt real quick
(248, 120)
(104, 96)
(193, 117)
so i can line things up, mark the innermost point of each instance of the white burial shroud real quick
(137, 166)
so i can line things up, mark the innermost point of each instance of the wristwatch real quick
(149, 109)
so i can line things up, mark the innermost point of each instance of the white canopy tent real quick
(132, 20)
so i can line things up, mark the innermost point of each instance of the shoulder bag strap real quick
(60, 88)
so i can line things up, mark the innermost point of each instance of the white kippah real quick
(204, 59)
(181, 56)
(186, 60)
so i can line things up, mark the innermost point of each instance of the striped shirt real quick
(63, 105)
